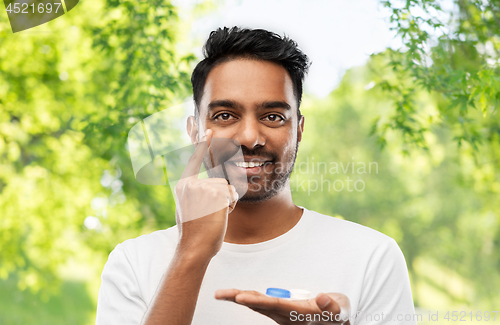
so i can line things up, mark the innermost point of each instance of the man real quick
(229, 244)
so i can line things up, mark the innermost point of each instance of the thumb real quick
(325, 302)
(337, 304)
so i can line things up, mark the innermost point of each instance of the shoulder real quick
(158, 243)
(139, 263)
(131, 275)
(345, 229)
(357, 247)
(349, 236)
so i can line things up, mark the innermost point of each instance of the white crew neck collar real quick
(265, 245)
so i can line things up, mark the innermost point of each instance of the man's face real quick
(253, 103)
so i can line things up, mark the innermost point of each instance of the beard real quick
(261, 189)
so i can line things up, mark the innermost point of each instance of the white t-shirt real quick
(319, 254)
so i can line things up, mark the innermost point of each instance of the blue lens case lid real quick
(278, 293)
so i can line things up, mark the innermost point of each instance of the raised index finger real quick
(195, 161)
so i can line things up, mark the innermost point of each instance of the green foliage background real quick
(426, 115)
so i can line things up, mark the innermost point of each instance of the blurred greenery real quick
(425, 116)
(72, 305)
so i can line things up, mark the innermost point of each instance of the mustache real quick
(226, 154)
(259, 152)
(222, 150)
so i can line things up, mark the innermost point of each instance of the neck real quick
(251, 223)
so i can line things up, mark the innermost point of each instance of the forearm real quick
(177, 294)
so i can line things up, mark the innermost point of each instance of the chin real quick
(257, 193)
(256, 199)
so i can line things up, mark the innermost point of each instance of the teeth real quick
(248, 164)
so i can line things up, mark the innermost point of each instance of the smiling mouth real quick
(250, 164)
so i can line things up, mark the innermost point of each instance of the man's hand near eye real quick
(286, 312)
(203, 206)
(202, 210)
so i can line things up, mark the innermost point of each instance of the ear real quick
(300, 128)
(192, 129)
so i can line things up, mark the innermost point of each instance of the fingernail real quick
(323, 301)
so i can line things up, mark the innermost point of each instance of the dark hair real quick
(225, 44)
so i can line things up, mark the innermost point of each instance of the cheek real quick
(221, 132)
(287, 143)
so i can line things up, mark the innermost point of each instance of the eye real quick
(223, 116)
(274, 118)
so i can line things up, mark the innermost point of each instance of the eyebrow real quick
(234, 105)
(223, 103)
(275, 104)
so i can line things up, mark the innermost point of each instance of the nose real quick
(250, 133)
